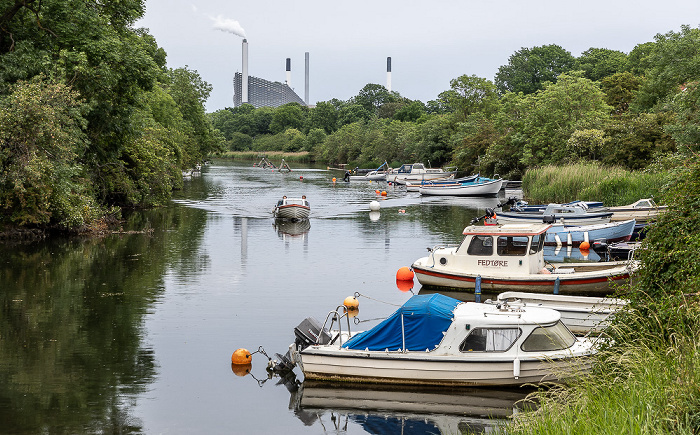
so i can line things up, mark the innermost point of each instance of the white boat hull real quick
(490, 188)
(292, 211)
(418, 368)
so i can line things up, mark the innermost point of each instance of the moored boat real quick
(417, 172)
(567, 214)
(581, 314)
(642, 211)
(438, 340)
(415, 186)
(510, 257)
(480, 186)
(292, 208)
(610, 232)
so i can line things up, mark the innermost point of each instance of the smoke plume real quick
(228, 25)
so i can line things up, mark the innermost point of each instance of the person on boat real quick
(346, 178)
(281, 201)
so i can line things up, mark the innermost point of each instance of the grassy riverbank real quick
(591, 182)
(646, 380)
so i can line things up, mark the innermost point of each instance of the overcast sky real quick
(430, 42)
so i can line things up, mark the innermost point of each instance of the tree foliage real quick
(530, 68)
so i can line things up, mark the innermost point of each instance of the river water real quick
(133, 332)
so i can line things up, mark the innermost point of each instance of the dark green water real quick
(133, 333)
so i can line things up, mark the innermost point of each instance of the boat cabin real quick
(511, 248)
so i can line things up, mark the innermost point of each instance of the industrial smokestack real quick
(244, 81)
(306, 78)
(289, 72)
(388, 74)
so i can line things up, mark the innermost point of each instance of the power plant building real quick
(260, 92)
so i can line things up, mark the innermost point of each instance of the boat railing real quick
(442, 246)
(335, 316)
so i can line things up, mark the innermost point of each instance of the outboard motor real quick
(549, 219)
(309, 332)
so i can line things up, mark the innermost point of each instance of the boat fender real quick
(516, 368)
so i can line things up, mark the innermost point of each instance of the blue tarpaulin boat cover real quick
(425, 319)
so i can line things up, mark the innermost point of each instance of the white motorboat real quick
(580, 314)
(416, 173)
(511, 257)
(642, 211)
(415, 187)
(292, 208)
(437, 340)
(480, 186)
(566, 214)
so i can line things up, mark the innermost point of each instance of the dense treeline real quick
(91, 119)
(545, 107)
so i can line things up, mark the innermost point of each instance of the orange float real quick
(404, 285)
(404, 274)
(241, 357)
(351, 303)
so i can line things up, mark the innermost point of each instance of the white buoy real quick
(374, 206)
(374, 216)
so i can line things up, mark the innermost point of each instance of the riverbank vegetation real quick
(91, 119)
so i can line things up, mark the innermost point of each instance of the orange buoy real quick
(353, 312)
(404, 274)
(301, 177)
(383, 192)
(404, 285)
(241, 369)
(584, 246)
(334, 179)
(377, 192)
(351, 303)
(241, 356)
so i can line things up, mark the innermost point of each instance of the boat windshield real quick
(490, 340)
(480, 245)
(545, 338)
(512, 245)
(537, 244)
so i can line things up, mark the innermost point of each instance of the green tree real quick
(572, 103)
(636, 140)
(324, 116)
(290, 115)
(471, 94)
(620, 90)
(598, 63)
(530, 68)
(674, 62)
(373, 96)
(685, 128)
(41, 141)
(410, 112)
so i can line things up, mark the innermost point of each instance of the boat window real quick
(512, 245)
(537, 244)
(544, 338)
(418, 166)
(490, 340)
(480, 245)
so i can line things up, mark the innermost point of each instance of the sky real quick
(429, 42)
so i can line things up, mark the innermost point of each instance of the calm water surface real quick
(133, 333)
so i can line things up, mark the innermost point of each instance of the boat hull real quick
(418, 368)
(583, 219)
(292, 212)
(582, 283)
(490, 188)
(575, 235)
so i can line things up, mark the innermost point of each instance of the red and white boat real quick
(510, 257)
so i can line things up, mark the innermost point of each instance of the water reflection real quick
(388, 409)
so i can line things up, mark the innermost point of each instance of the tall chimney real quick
(306, 78)
(289, 72)
(388, 74)
(244, 81)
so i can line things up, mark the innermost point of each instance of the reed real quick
(590, 182)
(646, 382)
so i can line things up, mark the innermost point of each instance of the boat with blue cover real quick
(437, 340)
(479, 186)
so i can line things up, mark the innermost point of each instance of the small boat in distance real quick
(417, 172)
(437, 340)
(292, 208)
(415, 186)
(610, 232)
(480, 186)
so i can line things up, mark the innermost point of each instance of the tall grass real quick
(590, 182)
(642, 383)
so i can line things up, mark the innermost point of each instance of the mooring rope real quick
(358, 294)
